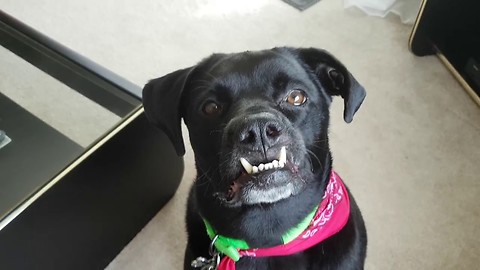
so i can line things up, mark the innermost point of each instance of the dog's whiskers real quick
(311, 153)
(320, 147)
(320, 140)
(203, 176)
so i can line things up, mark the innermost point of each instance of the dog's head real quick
(257, 120)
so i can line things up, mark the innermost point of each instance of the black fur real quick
(254, 122)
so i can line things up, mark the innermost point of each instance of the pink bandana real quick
(330, 218)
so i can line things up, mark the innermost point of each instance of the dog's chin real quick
(265, 188)
(256, 195)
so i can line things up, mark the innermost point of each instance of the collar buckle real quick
(208, 264)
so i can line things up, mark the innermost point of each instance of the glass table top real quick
(53, 107)
(59, 106)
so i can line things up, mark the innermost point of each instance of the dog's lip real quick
(236, 187)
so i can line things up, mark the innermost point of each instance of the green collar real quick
(230, 246)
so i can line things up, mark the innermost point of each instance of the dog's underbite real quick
(265, 195)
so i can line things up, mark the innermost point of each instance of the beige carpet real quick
(410, 157)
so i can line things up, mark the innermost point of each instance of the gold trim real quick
(459, 77)
(18, 210)
(415, 25)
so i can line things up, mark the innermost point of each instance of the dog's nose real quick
(260, 134)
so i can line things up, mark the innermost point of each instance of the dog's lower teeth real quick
(261, 167)
(267, 166)
(280, 163)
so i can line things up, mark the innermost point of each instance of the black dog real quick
(258, 125)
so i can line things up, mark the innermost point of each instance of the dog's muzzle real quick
(262, 154)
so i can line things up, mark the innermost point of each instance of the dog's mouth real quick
(263, 182)
(274, 164)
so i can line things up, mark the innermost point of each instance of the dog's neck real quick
(229, 246)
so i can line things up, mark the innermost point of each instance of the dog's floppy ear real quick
(162, 100)
(335, 78)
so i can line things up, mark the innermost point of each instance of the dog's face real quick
(257, 121)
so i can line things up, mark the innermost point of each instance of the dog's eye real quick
(212, 109)
(296, 97)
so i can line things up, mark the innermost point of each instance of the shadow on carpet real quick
(301, 4)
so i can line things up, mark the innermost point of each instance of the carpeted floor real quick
(410, 157)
